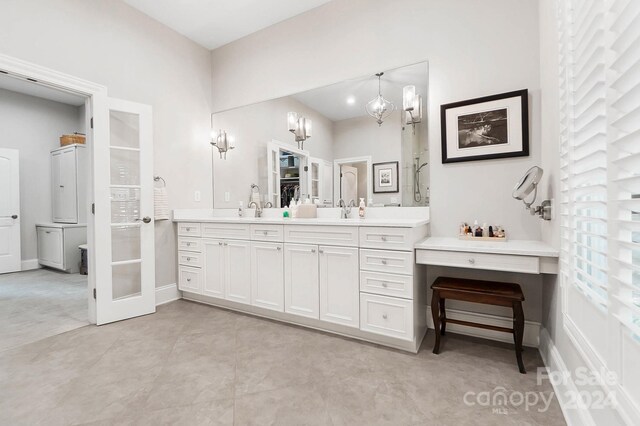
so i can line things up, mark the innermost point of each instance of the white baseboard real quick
(564, 389)
(531, 336)
(29, 264)
(167, 293)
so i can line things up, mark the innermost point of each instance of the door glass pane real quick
(125, 243)
(125, 205)
(126, 281)
(125, 129)
(125, 167)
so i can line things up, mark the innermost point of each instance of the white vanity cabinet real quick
(301, 280)
(267, 275)
(356, 280)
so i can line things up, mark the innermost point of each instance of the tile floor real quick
(40, 303)
(193, 364)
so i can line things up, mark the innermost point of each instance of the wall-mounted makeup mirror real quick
(528, 184)
(323, 144)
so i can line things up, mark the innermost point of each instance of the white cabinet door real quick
(339, 285)
(327, 183)
(267, 275)
(238, 270)
(50, 247)
(301, 293)
(64, 191)
(214, 270)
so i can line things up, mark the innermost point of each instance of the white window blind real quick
(584, 152)
(624, 167)
(600, 186)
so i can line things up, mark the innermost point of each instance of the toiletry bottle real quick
(485, 230)
(361, 208)
(240, 210)
(474, 228)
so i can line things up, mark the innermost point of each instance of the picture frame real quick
(385, 177)
(485, 128)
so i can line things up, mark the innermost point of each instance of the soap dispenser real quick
(241, 209)
(361, 208)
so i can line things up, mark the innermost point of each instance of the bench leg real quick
(518, 333)
(435, 305)
(443, 317)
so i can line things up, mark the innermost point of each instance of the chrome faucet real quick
(346, 209)
(257, 207)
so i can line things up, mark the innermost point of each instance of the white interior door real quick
(349, 183)
(10, 259)
(124, 230)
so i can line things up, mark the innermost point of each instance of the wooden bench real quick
(486, 292)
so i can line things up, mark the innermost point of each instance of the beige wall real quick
(138, 59)
(473, 48)
(33, 127)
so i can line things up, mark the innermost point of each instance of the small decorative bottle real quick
(361, 208)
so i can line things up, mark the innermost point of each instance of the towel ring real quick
(158, 178)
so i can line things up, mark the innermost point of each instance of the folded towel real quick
(161, 203)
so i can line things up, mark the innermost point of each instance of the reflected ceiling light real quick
(412, 106)
(380, 108)
(221, 140)
(300, 127)
(351, 100)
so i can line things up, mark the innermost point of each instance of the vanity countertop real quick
(248, 218)
(516, 247)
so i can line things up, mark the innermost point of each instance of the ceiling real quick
(213, 23)
(332, 101)
(21, 85)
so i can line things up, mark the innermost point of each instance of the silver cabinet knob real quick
(384, 261)
(220, 243)
(187, 229)
(384, 316)
(265, 233)
(472, 261)
(313, 250)
(14, 216)
(320, 251)
(188, 280)
(226, 244)
(188, 259)
(279, 248)
(384, 284)
(188, 244)
(383, 238)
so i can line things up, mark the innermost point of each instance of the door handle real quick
(14, 216)
(145, 219)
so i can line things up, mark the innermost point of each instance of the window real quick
(600, 185)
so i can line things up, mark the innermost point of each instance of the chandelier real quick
(380, 108)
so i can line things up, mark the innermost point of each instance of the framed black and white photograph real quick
(385, 177)
(485, 128)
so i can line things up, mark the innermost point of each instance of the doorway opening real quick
(44, 179)
(352, 180)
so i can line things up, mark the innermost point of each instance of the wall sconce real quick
(527, 185)
(379, 107)
(412, 106)
(222, 141)
(300, 127)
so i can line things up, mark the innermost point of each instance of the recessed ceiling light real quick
(351, 100)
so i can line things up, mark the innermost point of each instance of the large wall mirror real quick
(361, 138)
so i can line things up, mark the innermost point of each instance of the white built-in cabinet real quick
(68, 180)
(58, 245)
(355, 280)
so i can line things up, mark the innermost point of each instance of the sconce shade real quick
(292, 121)
(222, 141)
(300, 126)
(408, 97)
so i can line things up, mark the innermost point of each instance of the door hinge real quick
(94, 293)
(93, 208)
(91, 122)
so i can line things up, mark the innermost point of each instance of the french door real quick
(124, 258)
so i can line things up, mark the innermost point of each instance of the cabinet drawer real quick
(188, 258)
(488, 261)
(388, 316)
(190, 279)
(322, 235)
(233, 231)
(188, 229)
(190, 244)
(267, 233)
(387, 284)
(386, 238)
(395, 262)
